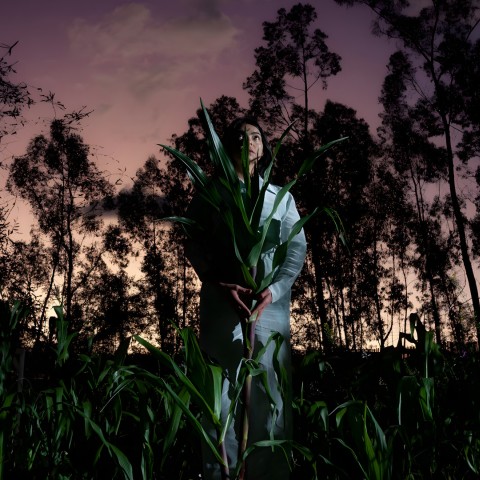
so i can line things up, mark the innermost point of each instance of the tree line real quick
(411, 228)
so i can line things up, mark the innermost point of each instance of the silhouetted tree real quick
(141, 210)
(340, 180)
(109, 303)
(178, 191)
(14, 96)
(440, 43)
(295, 58)
(23, 274)
(411, 155)
(65, 191)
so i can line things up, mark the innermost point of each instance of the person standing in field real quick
(226, 303)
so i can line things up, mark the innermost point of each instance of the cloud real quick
(210, 8)
(131, 36)
(134, 51)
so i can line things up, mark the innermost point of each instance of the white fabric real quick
(221, 336)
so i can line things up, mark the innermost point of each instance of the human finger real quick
(233, 292)
(264, 299)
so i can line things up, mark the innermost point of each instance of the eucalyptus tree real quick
(140, 215)
(14, 96)
(331, 300)
(160, 189)
(340, 180)
(23, 273)
(65, 192)
(112, 299)
(420, 165)
(476, 220)
(440, 42)
(293, 60)
(411, 155)
(394, 212)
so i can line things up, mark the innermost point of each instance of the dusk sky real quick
(143, 66)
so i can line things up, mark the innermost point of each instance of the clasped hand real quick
(240, 297)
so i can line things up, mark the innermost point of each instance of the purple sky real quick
(142, 66)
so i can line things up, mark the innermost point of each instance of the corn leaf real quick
(176, 416)
(308, 163)
(218, 155)
(194, 422)
(202, 402)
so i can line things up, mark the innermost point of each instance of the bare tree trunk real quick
(459, 220)
(47, 299)
(425, 243)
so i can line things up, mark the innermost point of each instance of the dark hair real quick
(233, 140)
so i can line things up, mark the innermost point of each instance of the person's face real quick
(255, 145)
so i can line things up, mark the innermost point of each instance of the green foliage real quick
(94, 417)
(87, 417)
(398, 422)
(355, 422)
(200, 382)
(239, 205)
(241, 212)
(14, 97)
(9, 320)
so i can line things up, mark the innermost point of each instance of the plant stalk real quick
(224, 469)
(248, 346)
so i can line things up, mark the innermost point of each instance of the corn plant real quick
(416, 397)
(370, 449)
(241, 214)
(198, 388)
(200, 384)
(78, 410)
(92, 417)
(403, 418)
(10, 318)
